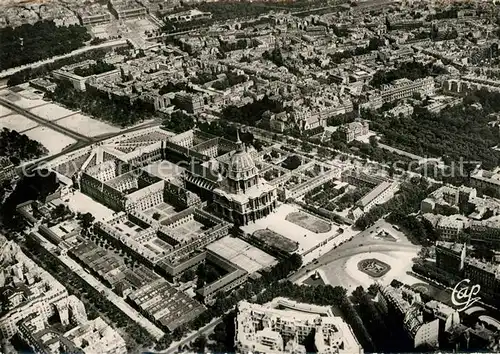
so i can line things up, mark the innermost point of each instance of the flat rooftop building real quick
(26, 289)
(165, 305)
(264, 329)
(97, 336)
(93, 15)
(124, 9)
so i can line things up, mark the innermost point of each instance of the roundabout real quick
(366, 259)
(367, 268)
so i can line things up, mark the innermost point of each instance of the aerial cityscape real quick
(254, 176)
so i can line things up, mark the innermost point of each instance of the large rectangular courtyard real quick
(242, 254)
(17, 122)
(86, 126)
(79, 202)
(163, 211)
(298, 226)
(51, 111)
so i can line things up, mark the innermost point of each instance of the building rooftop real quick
(97, 336)
(453, 246)
(241, 253)
(260, 328)
(166, 305)
(374, 193)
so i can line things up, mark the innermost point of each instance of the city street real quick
(110, 295)
(362, 242)
(11, 71)
(203, 331)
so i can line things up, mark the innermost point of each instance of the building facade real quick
(264, 329)
(351, 131)
(27, 289)
(243, 196)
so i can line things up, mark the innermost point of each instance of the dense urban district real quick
(301, 176)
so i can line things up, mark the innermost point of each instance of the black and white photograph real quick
(249, 176)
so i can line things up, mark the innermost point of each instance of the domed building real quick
(241, 172)
(231, 184)
(242, 195)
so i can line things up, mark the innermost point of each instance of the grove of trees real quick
(94, 69)
(30, 43)
(29, 73)
(225, 10)
(455, 133)
(36, 187)
(115, 110)
(409, 70)
(179, 121)
(19, 146)
(250, 113)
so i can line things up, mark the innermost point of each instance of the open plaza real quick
(303, 229)
(378, 254)
(86, 126)
(399, 263)
(51, 111)
(16, 122)
(54, 141)
(79, 202)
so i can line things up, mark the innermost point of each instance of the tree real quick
(306, 147)
(199, 344)
(358, 294)
(86, 220)
(201, 273)
(59, 211)
(448, 210)
(19, 146)
(42, 40)
(292, 162)
(188, 275)
(42, 70)
(179, 122)
(424, 253)
(373, 289)
(484, 252)
(118, 110)
(178, 332)
(275, 56)
(156, 216)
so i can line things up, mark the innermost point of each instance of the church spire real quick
(240, 145)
